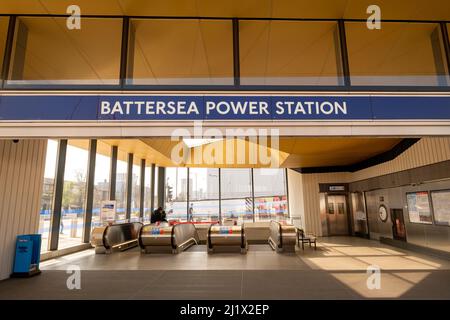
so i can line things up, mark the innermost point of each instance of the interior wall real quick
(304, 197)
(22, 167)
(426, 151)
(295, 198)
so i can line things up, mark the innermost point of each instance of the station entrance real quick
(322, 186)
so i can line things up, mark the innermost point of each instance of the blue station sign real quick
(58, 107)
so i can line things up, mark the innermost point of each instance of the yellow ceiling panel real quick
(336, 9)
(239, 153)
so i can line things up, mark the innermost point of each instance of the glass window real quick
(359, 213)
(4, 21)
(441, 206)
(204, 194)
(101, 181)
(190, 52)
(176, 194)
(74, 193)
(238, 210)
(409, 54)
(236, 183)
(147, 194)
(204, 210)
(135, 193)
(237, 201)
(289, 53)
(45, 51)
(47, 193)
(419, 207)
(121, 189)
(155, 188)
(270, 194)
(269, 182)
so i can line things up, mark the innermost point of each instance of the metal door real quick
(398, 224)
(337, 215)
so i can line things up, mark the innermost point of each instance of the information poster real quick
(419, 207)
(441, 206)
(108, 211)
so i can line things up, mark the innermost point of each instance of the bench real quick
(306, 238)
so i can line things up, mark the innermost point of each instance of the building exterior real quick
(357, 117)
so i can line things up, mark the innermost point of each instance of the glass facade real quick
(164, 51)
(405, 54)
(121, 189)
(47, 193)
(135, 193)
(200, 195)
(270, 194)
(74, 193)
(176, 188)
(234, 202)
(204, 194)
(289, 53)
(46, 52)
(101, 182)
(236, 194)
(210, 52)
(155, 189)
(147, 194)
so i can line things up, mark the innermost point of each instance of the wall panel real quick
(425, 151)
(295, 198)
(21, 175)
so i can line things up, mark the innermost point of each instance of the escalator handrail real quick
(104, 238)
(172, 238)
(280, 231)
(242, 238)
(176, 246)
(140, 237)
(209, 234)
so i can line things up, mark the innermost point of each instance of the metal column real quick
(236, 56)
(8, 49)
(129, 185)
(253, 195)
(90, 191)
(344, 53)
(161, 186)
(446, 41)
(58, 195)
(187, 195)
(152, 188)
(220, 195)
(142, 191)
(113, 173)
(124, 51)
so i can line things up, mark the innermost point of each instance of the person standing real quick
(191, 212)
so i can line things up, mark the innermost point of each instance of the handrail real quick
(175, 237)
(282, 236)
(209, 234)
(119, 235)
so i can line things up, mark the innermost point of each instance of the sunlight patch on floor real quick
(392, 285)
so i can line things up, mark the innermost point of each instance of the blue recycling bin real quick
(27, 257)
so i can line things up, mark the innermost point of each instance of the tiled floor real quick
(337, 270)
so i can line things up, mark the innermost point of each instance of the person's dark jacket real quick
(156, 216)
